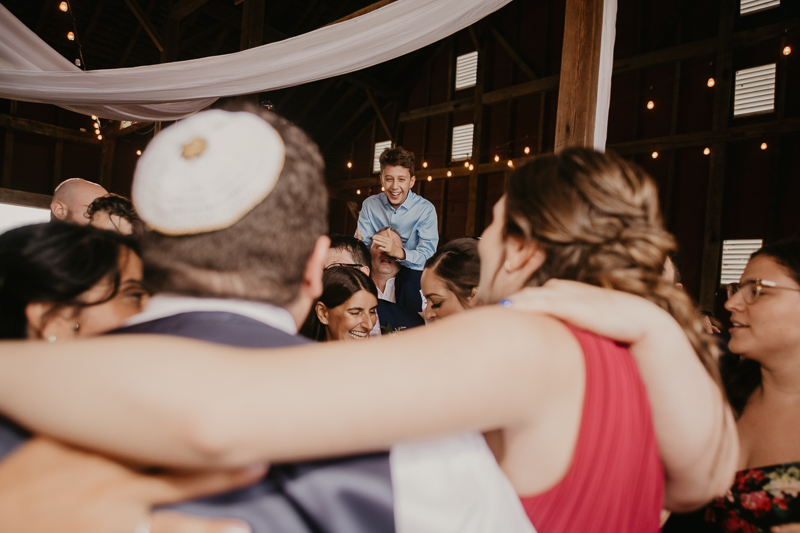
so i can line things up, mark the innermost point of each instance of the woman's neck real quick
(781, 381)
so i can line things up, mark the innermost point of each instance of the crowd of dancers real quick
(546, 377)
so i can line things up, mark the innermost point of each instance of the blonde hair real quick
(597, 218)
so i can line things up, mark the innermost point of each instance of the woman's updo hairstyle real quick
(339, 283)
(596, 216)
(54, 263)
(458, 265)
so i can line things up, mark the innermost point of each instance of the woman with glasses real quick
(347, 309)
(764, 390)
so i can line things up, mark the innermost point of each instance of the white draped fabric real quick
(32, 71)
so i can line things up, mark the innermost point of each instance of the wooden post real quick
(586, 66)
(107, 163)
(8, 153)
(477, 145)
(716, 181)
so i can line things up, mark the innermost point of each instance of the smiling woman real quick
(347, 309)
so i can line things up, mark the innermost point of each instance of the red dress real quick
(616, 481)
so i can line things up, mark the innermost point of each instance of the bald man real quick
(71, 198)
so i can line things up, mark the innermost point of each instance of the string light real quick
(358, 191)
(763, 146)
(97, 124)
(710, 82)
(94, 117)
(63, 6)
(466, 164)
(383, 188)
(654, 155)
(471, 167)
(99, 137)
(71, 36)
(787, 50)
(96, 131)
(707, 151)
(496, 158)
(510, 163)
(527, 150)
(430, 178)
(424, 164)
(138, 152)
(349, 164)
(651, 104)
(449, 173)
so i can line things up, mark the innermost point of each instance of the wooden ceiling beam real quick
(42, 201)
(48, 130)
(363, 11)
(346, 125)
(93, 22)
(184, 8)
(380, 114)
(144, 20)
(524, 65)
(202, 36)
(335, 107)
(136, 32)
(309, 105)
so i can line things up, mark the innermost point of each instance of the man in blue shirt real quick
(412, 216)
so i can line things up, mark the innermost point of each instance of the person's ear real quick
(311, 285)
(365, 269)
(322, 313)
(413, 180)
(523, 258)
(472, 294)
(44, 323)
(59, 210)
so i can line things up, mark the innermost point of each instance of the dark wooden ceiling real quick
(112, 36)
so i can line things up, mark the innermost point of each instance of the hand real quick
(46, 486)
(386, 244)
(358, 235)
(614, 314)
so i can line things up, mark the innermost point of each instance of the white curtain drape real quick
(32, 71)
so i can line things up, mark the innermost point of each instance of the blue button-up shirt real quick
(415, 219)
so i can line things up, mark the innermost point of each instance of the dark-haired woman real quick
(450, 279)
(584, 445)
(59, 281)
(764, 388)
(347, 308)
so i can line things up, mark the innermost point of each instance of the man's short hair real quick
(392, 229)
(114, 204)
(355, 247)
(261, 257)
(398, 157)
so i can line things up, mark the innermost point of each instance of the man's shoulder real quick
(421, 203)
(220, 327)
(373, 201)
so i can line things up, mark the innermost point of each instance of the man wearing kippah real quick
(399, 207)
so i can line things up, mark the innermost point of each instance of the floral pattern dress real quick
(759, 499)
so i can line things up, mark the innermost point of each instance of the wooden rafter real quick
(184, 8)
(380, 115)
(346, 125)
(364, 11)
(309, 105)
(32, 126)
(524, 65)
(93, 22)
(335, 107)
(28, 199)
(135, 36)
(144, 20)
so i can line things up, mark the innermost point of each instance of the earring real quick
(507, 267)
(51, 338)
(76, 327)
(324, 322)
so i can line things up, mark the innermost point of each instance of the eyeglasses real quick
(351, 265)
(752, 288)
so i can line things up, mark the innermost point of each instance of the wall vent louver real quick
(462, 142)
(735, 255)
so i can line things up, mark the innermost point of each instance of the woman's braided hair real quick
(597, 218)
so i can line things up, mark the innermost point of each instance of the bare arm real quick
(695, 427)
(183, 403)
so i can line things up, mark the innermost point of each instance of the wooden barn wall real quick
(761, 187)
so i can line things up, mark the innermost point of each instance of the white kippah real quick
(206, 172)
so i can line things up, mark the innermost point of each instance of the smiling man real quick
(399, 207)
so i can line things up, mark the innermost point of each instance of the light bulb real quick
(496, 158)
(349, 164)
(449, 173)
(63, 6)
(763, 146)
(97, 124)
(654, 155)
(358, 191)
(94, 117)
(430, 178)
(71, 36)
(787, 50)
(707, 151)
(651, 104)
(383, 188)
(527, 150)
(471, 167)
(424, 164)
(466, 164)
(96, 131)
(138, 152)
(99, 137)
(711, 82)
(510, 163)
